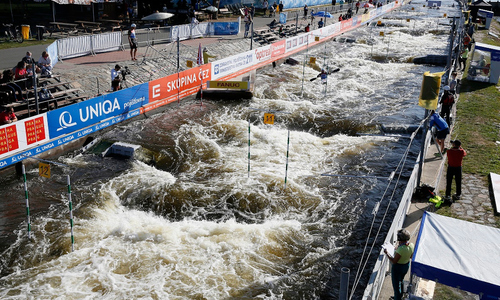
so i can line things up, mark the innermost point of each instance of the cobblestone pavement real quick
(475, 204)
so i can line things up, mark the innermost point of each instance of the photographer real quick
(115, 78)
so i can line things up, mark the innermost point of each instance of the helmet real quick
(446, 88)
(133, 25)
(403, 235)
(205, 49)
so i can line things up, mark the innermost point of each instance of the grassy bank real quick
(478, 128)
(478, 119)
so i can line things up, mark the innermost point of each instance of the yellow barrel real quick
(25, 30)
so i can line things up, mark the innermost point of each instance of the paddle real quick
(334, 71)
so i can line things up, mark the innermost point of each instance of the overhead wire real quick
(401, 164)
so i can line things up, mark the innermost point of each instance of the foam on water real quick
(201, 228)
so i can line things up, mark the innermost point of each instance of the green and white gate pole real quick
(27, 201)
(71, 215)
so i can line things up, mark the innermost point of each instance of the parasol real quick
(158, 16)
(322, 14)
(211, 8)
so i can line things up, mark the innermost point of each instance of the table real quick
(65, 27)
(92, 26)
(115, 24)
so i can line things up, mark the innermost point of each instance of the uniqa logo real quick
(65, 122)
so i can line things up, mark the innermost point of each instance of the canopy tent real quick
(458, 254)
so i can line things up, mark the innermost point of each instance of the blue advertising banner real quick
(283, 18)
(226, 28)
(66, 139)
(84, 114)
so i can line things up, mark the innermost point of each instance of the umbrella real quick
(323, 14)
(211, 8)
(158, 16)
(368, 5)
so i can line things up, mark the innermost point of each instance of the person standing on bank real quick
(447, 101)
(115, 78)
(400, 262)
(132, 40)
(455, 157)
(442, 129)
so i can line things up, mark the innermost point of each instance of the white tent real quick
(458, 254)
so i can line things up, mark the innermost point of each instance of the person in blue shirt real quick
(441, 127)
(320, 23)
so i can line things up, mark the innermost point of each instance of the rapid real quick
(197, 223)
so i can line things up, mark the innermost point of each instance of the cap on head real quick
(457, 143)
(205, 49)
(446, 88)
(403, 235)
(133, 25)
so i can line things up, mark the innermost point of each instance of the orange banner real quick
(186, 83)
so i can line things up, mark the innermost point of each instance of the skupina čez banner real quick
(429, 93)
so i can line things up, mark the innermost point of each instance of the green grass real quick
(26, 43)
(478, 119)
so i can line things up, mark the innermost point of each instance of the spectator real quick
(453, 82)
(7, 116)
(306, 9)
(358, 5)
(463, 58)
(280, 6)
(45, 63)
(28, 59)
(132, 40)
(275, 7)
(248, 23)
(115, 78)
(442, 129)
(252, 11)
(164, 9)
(320, 23)
(207, 56)
(44, 95)
(455, 157)
(307, 28)
(400, 262)
(20, 71)
(447, 101)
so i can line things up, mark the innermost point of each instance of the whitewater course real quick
(216, 204)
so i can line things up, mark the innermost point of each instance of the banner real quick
(233, 85)
(173, 86)
(23, 134)
(74, 117)
(227, 28)
(232, 64)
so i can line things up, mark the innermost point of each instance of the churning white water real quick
(203, 222)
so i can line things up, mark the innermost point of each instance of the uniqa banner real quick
(77, 116)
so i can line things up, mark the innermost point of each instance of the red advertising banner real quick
(278, 48)
(35, 130)
(185, 83)
(8, 139)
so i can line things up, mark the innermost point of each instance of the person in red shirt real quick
(447, 101)
(455, 158)
(7, 116)
(20, 71)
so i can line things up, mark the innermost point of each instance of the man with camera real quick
(116, 80)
